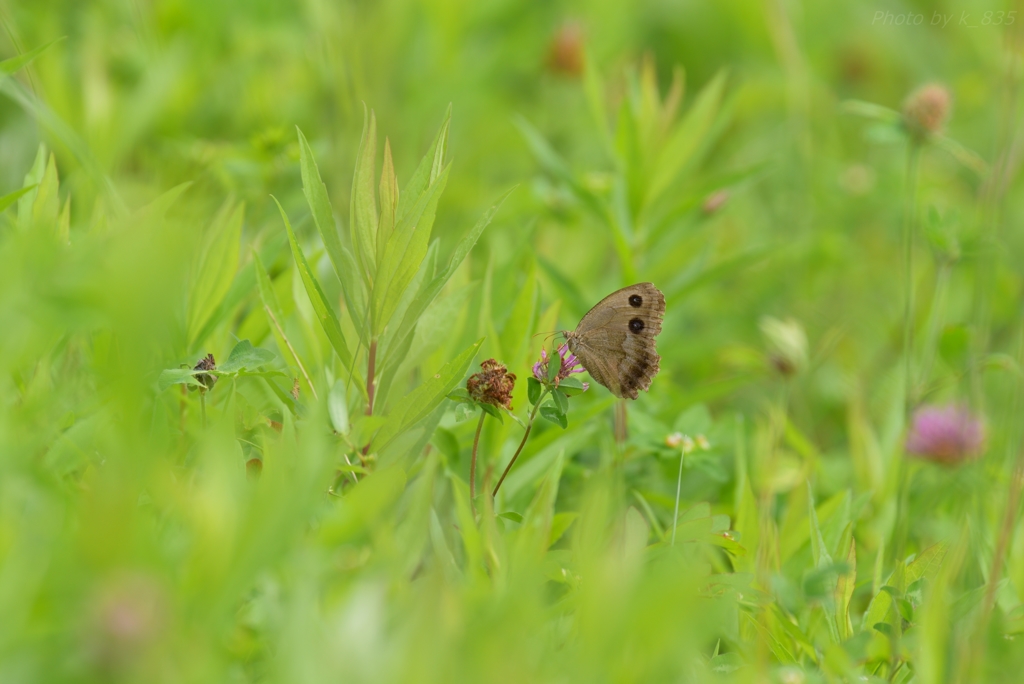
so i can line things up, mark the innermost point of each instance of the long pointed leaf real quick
(324, 312)
(844, 589)
(390, 358)
(926, 564)
(159, 207)
(553, 163)
(215, 269)
(362, 507)
(428, 294)
(419, 403)
(516, 333)
(12, 197)
(534, 535)
(388, 202)
(363, 209)
(68, 137)
(323, 216)
(46, 206)
(33, 178)
(688, 137)
(424, 174)
(406, 250)
(275, 316)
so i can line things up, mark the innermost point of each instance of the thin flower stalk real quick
(686, 445)
(492, 386)
(526, 435)
(568, 365)
(908, 276)
(472, 461)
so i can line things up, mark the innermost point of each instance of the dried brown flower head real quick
(926, 110)
(787, 345)
(493, 385)
(206, 363)
(565, 51)
(254, 468)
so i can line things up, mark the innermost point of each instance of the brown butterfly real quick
(615, 340)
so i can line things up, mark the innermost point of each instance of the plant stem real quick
(202, 406)
(472, 462)
(1012, 506)
(935, 320)
(899, 550)
(903, 477)
(355, 479)
(181, 409)
(902, 501)
(778, 417)
(992, 214)
(621, 423)
(529, 426)
(908, 276)
(679, 489)
(371, 365)
(978, 647)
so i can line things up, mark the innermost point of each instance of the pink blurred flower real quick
(570, 365)
(127, 618)
(945, 434)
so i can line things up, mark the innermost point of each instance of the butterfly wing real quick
(615, 341)
(601, 368)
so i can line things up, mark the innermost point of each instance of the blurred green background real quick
(748, 158)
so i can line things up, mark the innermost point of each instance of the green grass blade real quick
(691, 280)
(534, 536)
(553, 163)
(10, 66)
(266, 288)
(12, 197)
(46, 205)
(215, 269)
(158, 208)
(516, 333)
(34, 177)
(275, 316)
(369, 501)
(845, 586)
